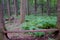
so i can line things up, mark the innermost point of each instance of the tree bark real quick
(28, 7)
(48, 7)
(58, 19)
(22, 10)
(35, 7)
(41, 6)
(42, 9)
(15, 7)
(8, 9)
(2, 26)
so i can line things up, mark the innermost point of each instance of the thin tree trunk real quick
(35, 7)
(28, 7)
(42, 9)
(15, 11)
(8, 9)
(41, 6)
(22, 10)
(3, 5)
(58, 18)
(15, 7)
(48, 7)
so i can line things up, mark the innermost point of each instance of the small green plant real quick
(39, 34)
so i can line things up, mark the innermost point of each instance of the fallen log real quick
(41, 30)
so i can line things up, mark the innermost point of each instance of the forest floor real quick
(15, 26)
(20, 36)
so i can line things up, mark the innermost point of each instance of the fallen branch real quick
(41, 30)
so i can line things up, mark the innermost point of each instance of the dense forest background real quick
(41, 7)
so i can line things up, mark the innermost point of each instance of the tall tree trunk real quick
(2, 26)
(42, 9)
(41, 6)
(58, 18)
(15, 11)
(28, 7)
(3, 5)
(15, 7)
(23, 10)
(8, 9)
(48, 7)
(35, 7)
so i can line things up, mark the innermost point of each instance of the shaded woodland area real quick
(30, 19)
